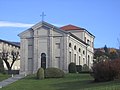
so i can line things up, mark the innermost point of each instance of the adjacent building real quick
(7, 46)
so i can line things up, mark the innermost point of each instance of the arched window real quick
(69, 44)
(79, 50)
(70, 56)
(84, 61)
(75, 47)
(88, 60)
(43, 60)
(83, 52)
(75, 58)
(79, 60)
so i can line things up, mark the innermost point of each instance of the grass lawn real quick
(69, 82)
(3, 76)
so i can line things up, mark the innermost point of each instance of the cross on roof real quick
(42, 15)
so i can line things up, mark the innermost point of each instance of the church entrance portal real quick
(43, 60)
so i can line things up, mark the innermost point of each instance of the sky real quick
(100, 17)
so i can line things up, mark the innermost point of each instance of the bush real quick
(72, 68)
(54, 73)
(115, 68)
(1, 66)
(85, 68)
(40, 73)
(106, 70)
(79, 68)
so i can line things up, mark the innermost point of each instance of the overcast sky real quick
(100, 17)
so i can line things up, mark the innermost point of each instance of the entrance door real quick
(43, 60)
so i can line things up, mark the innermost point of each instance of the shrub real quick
(54, 73)
(72, 68)
(106, 70)
(115, 68)
(85, 68)
(79, 68)
(101, 71)
(40, 73)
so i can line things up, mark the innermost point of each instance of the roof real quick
(78, 38)
(71, 27)
(17, 44)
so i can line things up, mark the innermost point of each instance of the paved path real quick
(10, 80)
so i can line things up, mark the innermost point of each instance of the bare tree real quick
(118, 39)
(118, 42)
(15, 56)
(5, 56)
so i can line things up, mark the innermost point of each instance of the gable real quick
(43, 29)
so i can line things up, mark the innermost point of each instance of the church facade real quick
(45, 45)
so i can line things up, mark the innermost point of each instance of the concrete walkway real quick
(11, 80)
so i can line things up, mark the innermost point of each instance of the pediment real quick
(39, 26)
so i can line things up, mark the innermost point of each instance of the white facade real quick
(6, 46)
(45, 45)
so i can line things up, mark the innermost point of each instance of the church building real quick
(45, 45)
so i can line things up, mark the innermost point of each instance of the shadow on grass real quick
(81, 85)
(31, 77)
(69, 82)
(73, 85)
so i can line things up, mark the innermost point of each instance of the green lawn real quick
(3, 76)
(70, 82)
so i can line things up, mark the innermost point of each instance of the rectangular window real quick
(57, 62)
(58, 45)
(30, 51)
(92, 44)
(85, 39)
(84, 61)
(88, 42)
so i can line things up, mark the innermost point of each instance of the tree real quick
(100, 56)
(118, 51)
(5, 56)
(15, 56)
(98, 53)
(118, 39)
(118, 43)
(113, 55)
(106, 49)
